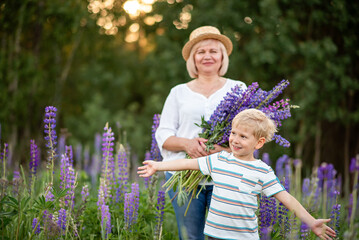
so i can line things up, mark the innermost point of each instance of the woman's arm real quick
(151, 167)
(317, 225)
(193, 147)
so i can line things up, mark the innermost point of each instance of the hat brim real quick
(186, 50)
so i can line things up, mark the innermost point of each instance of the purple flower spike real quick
(131, 206)
(85, 193)
(34, 158)
(108, 164)
(122, 174)
(155, 151)
(36, 224)
(67, 176)
(266, 159)
(106, 219)
(304, 231)
(50, 137)
(61, 222)
(49, 196)
(159, 215)
(306, 187)
(354, 165)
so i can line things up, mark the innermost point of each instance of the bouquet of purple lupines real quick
(217, 129)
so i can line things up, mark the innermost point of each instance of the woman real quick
(206, 55)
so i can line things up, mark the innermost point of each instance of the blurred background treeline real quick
(115, 61)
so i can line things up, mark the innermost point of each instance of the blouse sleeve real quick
(169, 120)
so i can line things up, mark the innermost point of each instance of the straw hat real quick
(205, 32)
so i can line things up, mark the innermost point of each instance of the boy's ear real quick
(260, 143)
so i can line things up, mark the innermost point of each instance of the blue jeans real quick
(191, 226)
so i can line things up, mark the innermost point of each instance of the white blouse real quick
(182, 110)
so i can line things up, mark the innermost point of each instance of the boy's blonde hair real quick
(262, 125)
(191, 66)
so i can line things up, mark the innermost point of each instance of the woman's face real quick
(208, 57)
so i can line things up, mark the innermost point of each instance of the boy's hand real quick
(322, 230)
(148, 168)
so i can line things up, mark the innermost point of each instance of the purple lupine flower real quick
(266, 159)
(256, 154)
(36, 224)
(283, 219)
(34, 159)
(326, 172)
(217, 128)
(267, 215)
(265, 233)
(106, 219)
(131, 206)
(16, 175)
(288, 174)
(108, 164)
(335, 214)
(354, 165)
(122, 174)
(61, 222)
(63, 170)
(147, 179)
(85, 193)
(304, 231)
(49, 196)
(128, 210)
(155, 151)
(103, 194)
(69, 154)
(279, 169)
(16, 183)
(306, 189)
(136, 199)
(51, 137)
(326, 176)
(159, 215)
(67, 176)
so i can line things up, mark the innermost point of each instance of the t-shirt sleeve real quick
(169, 120)
(271, 184)
(205, 164)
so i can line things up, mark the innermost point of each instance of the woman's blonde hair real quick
(262, 125)
(191, 66)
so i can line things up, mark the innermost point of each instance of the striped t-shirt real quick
(237, 183)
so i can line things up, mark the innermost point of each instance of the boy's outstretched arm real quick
(151, 167)
(316, 225)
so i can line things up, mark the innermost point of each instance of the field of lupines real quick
(56, 198)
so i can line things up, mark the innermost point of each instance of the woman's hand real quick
(218, 148)
(196, 148)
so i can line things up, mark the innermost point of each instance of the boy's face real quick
(243, 142)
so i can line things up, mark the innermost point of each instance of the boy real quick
(238, 179)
